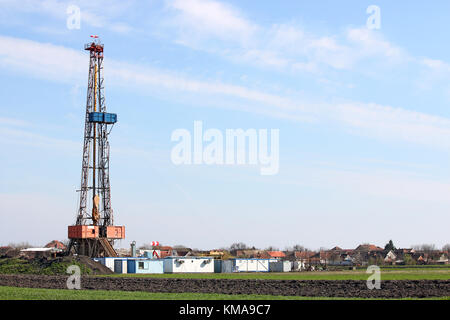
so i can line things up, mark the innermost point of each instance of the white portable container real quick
(188, 265)
(251, 265)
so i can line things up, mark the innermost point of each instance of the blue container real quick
(131, 266)
(96, 117)
(110, 118)
(102, 117)
(217, 266)
(145, 266)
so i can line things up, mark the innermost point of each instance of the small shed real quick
(145, 266)
(188, 265)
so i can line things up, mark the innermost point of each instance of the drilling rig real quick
(94, 232)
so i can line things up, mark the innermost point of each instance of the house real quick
(56, 244)
(303, 255)
(164, 251)
(390, 257)
(439, 258)
(321, 258)
(217, 253)
(303, 259)
(289, 255)
(443, 259)
(360, 258)
(33, 253)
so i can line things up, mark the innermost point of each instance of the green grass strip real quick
(13, 293)
(394, 274)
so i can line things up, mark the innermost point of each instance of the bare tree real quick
(272, 248)
(424, 247)
(428, 247)
(238, 246)
(299, 247)
(296, 247)
(20, 245)
(146, 246)
(179, 246)
(446, 247)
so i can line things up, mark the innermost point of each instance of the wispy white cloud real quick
(394, 124)
(44, 60)
(385, 122)
(13, 122)
(371, 43)
(212, 18)
(98, 14)
(284, 46)
(436, 65)
(14, 136)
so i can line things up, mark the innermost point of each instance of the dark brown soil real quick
(310, 288)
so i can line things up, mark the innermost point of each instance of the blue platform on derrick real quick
(103, 117)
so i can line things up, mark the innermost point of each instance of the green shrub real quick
(14, 265)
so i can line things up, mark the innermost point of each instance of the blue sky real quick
(363, 118)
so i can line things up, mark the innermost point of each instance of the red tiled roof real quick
(276, 254)
(368, 247)
(325, 254)
(55, 244)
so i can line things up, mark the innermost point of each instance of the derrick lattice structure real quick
(94, 232)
